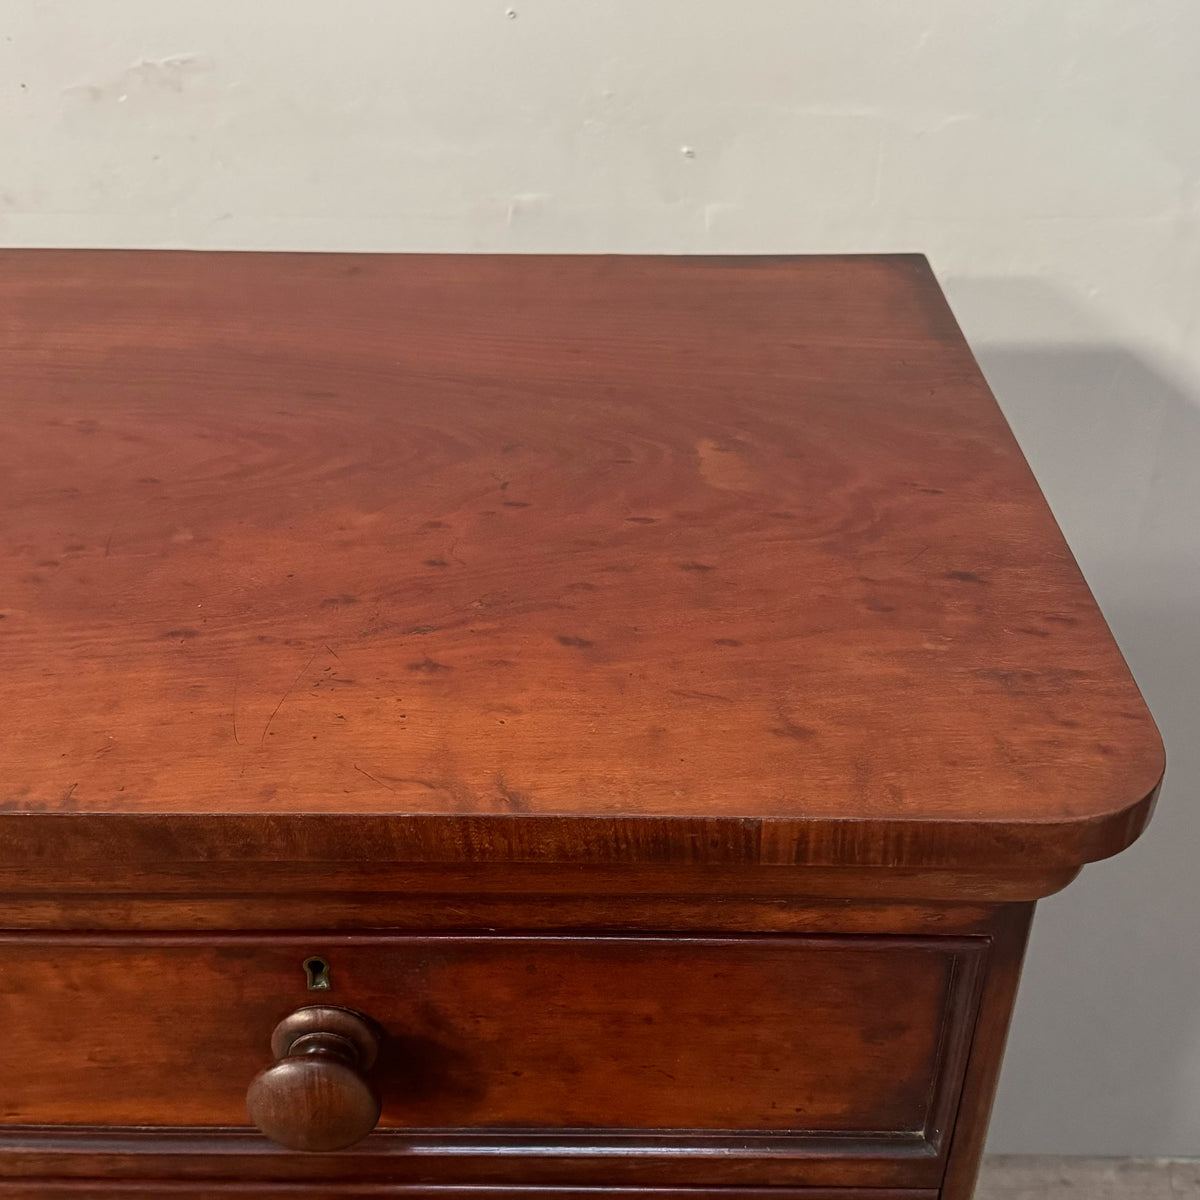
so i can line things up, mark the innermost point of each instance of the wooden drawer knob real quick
(317, 1096)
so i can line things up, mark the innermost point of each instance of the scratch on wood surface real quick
(686, 695)
(372, 777)
(262, 741)
(233, 711)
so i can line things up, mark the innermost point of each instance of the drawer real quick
(760, 1051)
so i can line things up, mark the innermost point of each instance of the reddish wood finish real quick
(659, 681)
(563, 559)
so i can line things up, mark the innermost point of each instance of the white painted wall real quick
(1045, 155)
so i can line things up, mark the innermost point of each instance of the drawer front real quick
(528, 1041)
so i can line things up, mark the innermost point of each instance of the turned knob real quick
(317, 1096)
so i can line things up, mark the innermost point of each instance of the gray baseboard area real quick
(1045, 1177)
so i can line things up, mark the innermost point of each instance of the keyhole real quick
(317, 970)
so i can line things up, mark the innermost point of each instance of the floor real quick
(1017, 1177)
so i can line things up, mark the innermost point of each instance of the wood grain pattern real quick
(534, 559)
(819, 1036)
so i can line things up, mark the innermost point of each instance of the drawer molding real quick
(456, 1158)
(82, 1189)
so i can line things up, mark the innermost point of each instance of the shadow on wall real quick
(1104, 1055)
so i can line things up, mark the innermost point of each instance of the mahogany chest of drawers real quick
(534, 726)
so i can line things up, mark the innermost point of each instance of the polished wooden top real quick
(557, 558)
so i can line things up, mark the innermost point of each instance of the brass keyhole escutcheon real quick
(317, 970)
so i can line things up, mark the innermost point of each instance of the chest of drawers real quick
(542, 726)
